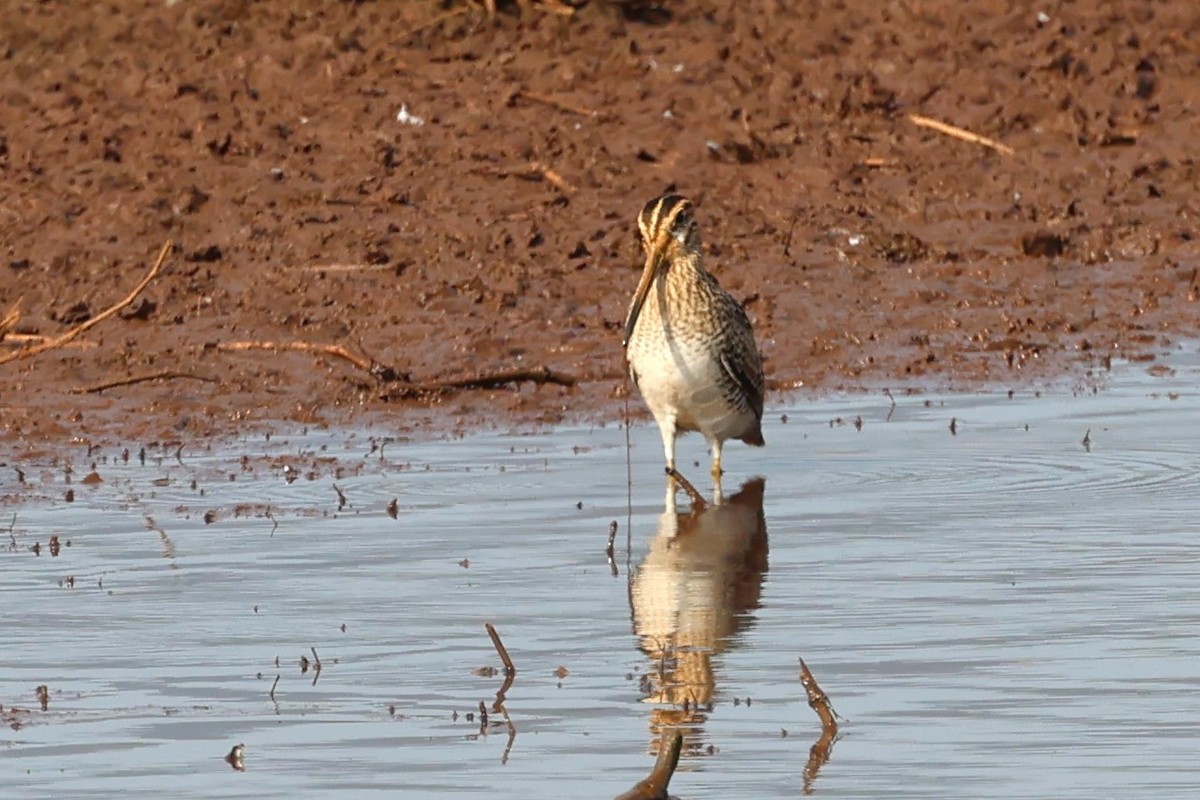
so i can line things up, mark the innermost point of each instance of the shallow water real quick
(999, 612)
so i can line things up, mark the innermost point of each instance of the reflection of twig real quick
(697, 499)
(960, 133)
(654, 786)
(512, 737)
(58, 341)
(168, 545)
(608, 551)
(818, 755)
(165, 374)
(273, 685)
(892, 407)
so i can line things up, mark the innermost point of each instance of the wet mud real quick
(446, 196)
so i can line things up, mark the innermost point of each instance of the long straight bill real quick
(654, 263)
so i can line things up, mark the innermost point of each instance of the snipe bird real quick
(689, 344)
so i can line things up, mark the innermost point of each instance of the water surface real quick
(998, 612)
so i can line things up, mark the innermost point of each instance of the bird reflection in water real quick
(693, 594)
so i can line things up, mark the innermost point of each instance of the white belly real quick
(683, 383)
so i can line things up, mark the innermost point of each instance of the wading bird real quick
(689, 344)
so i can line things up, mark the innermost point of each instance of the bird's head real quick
(668, 232)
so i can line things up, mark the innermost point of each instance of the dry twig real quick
(379, 371)
(961, 133)
(552, 177)
(561, 105)
(409, 390)
(165, 374)
(346, 268)
(10, 319)
(491, 380)
(454, 12)
(58, 341)
(37, 338)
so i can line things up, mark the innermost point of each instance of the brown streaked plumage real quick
(689, 344)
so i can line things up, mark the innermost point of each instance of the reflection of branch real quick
(654, 785)
(818, 701)
(58, 341)
(818, 754)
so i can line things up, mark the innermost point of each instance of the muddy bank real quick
(456, 199)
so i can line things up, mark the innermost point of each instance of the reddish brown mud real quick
(276, 145)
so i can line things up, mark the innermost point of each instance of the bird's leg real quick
(717, 472)
(666, 427)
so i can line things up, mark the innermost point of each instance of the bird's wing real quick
(741, 360)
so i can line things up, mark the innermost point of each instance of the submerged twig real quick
(509, 668)
(316, 665)
(654, 786)
(698, 502)
(818, 701)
